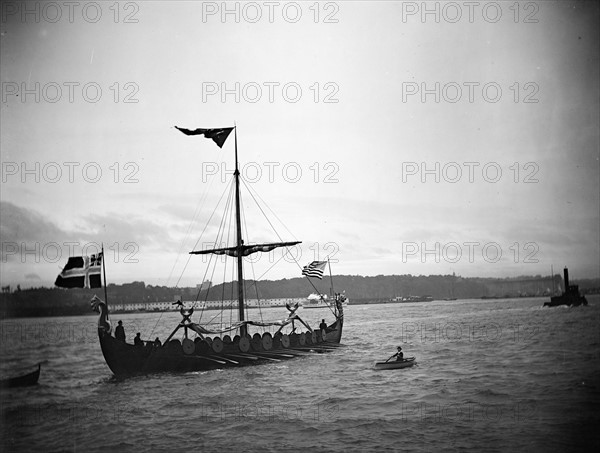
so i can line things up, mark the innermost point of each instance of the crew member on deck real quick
(157, 342)
(120, 332)
(323, 325)
(138, 340)
(399, 355)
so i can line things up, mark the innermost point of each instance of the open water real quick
(493, 375)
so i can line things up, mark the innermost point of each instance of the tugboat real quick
(570, 297)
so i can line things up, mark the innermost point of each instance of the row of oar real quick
(273, 356)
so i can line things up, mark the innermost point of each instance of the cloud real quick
(27, 235)
(23, 230)
(21, 224)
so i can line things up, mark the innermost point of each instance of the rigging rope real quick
(225, 227)
(197, 211)
(195, 245)
(210, 260)
(252, 193)
(252, 267)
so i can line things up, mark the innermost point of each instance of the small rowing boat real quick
(22, 381)
(408, 362)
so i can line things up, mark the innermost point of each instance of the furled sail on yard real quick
(246, 249)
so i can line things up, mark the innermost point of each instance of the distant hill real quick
(61, 302)
(384, 287)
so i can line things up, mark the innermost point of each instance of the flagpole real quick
(104, 272)
(330, 276)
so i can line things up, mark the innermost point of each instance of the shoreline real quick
(87, 312)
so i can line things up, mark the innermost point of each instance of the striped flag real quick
(81, 272)
(314, 269)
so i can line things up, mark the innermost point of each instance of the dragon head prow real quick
(99, 306)
(96, 302)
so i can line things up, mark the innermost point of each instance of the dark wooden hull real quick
(22, 381)
(128, 360)
(406, 363)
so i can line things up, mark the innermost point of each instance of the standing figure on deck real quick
(120, 332)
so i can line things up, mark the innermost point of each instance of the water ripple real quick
(497, 375)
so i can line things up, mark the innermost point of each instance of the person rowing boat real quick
(399, 356)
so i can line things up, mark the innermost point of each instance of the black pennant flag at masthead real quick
(218, 135)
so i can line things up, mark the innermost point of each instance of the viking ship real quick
(196, 346)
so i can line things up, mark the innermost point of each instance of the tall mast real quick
(239, 243)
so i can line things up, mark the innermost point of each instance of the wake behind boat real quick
(209, 344)
(322, 301)
(316, 301)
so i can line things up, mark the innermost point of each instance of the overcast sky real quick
(464, 138)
